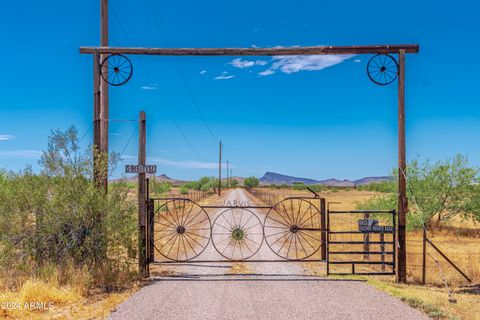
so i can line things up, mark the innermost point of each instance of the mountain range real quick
(277, 178)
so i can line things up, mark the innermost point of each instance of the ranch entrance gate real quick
(111, 66)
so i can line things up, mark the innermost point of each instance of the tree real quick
(251, 182)
(436, 192)
(234, 183)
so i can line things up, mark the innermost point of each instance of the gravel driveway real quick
(255, 291)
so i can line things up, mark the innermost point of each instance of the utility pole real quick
(142, 204)
(228, 180)
(96, 121)
(103, 98)
(220, 170)
(401, 275)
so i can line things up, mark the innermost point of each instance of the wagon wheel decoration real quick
(237, 234)
(116, 69)
(182, 230)
(292, 229)
(382, 69)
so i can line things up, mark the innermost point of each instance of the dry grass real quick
(434, 300)
(39, 299)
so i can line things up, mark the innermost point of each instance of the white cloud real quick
(239, 63)
(203, 71)
(6, 137)
(266, 72)
(183, 164)
(224, 76)
(20, 154)
(292, 64)
(149, 87)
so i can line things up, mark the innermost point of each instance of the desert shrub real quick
(183, 190)
(382, 186)
(160, 187)
(59, 218)
(298, 186)
(251, 182)
(191, 185)
(317, 187)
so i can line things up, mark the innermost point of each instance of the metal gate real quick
(180, 230)
(361, 242)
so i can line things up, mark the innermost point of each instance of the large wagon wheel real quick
(116, 69)
(293, 229)
(237, 234)
(182, 230)
(382, 69)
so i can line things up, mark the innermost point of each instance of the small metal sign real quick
(371, 225)
(140, 168)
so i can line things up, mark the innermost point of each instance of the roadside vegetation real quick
(61, 237)
(251, 182)
(437, 192)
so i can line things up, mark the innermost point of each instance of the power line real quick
(123, 150)
(163, 31)
(85, 134)
(162, 102)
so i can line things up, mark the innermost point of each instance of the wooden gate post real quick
(401, 275)
(151, 231)
(142, 204)
(424, 254)
(323, 217)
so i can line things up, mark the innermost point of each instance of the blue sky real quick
(317, 118)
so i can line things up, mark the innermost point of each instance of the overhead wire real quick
(162, 102)
(124, 148)
(163, 30)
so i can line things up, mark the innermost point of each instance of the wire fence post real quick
(424, 254)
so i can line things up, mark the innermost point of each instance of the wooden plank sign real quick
(140, 168)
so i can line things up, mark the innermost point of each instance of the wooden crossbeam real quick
(275, 51)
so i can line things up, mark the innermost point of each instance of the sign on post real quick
(371, 225)
(140, 168)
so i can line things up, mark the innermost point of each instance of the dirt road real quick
(252, 290)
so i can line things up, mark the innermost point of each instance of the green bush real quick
(317, 187)
(299, 186)
(160, 187)
(184, 190)
(251, 182)
(59, 217)
(383, 186)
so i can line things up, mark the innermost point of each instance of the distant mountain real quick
(164, 178)
(277, 178)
